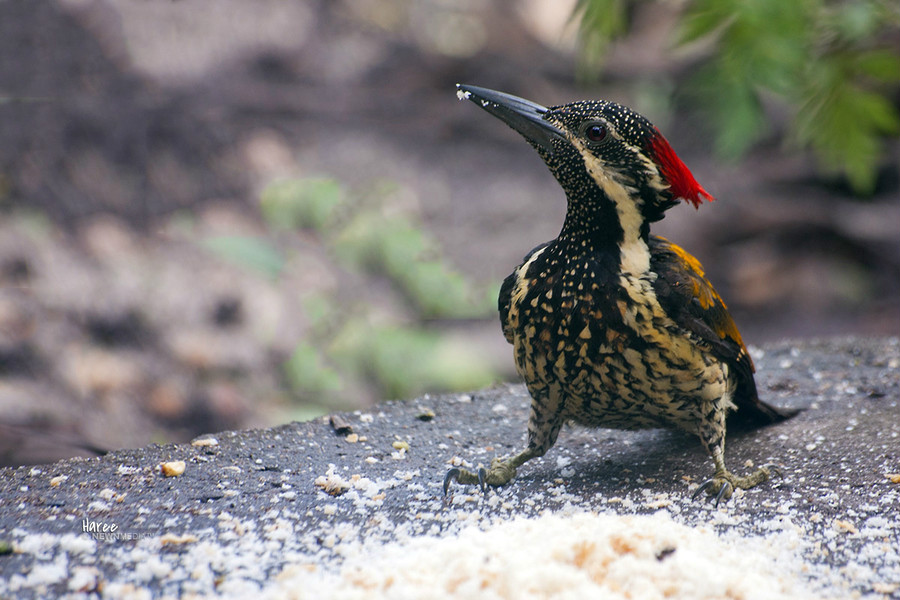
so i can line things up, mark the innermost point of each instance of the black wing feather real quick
(690, 300)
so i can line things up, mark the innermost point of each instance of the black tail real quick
(753, 413)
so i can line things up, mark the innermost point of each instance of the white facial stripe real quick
(635, 255)
(655, 179)
(650, 168)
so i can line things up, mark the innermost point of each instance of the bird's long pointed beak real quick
(523, 115)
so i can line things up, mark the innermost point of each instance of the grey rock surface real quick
(250, 503)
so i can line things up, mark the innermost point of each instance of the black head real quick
(598, 148)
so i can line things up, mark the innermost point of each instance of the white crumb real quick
(83, 579)
(462, 94)
(551, 556)
(205, 442)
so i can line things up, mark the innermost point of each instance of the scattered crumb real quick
(171, 539)
(55, 481)
(400, 445)
(332, 483)
(352, 438)
(84, 579)
(845, 526)
(659, 502)
(172, 468)
(893, 477)
(205, 442)
(462, 94)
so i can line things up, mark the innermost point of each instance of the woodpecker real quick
(612, 326)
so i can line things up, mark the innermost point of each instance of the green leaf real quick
(600, 22)
(437, 291)
(357, 243)
(736, 113)
(703, 18)
(300, 203)
(400, 246)
(740, 119)
(856, 21)
(843, 125)
(408, 360)
(319, 309)
(881, 65)
(255, 254)
(306, 372)
(877, 112)
(307, 412)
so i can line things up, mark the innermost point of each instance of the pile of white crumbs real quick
(552, 556)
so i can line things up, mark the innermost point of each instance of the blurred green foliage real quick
(356, 338)
(254, 253)
(365, 234)
(835, 64)
(300, 203)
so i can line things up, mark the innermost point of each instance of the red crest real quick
(680, 179)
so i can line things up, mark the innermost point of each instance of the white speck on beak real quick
(463, 95)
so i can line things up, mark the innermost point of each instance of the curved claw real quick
(726, 487)
(725, 491)
(702, 488)
(453, 475)
(773, 468)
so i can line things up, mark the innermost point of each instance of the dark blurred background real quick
(221, 214)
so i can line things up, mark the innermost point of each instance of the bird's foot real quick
(500, 473)
(723, 483)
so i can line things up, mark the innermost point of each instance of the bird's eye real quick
(595, 132)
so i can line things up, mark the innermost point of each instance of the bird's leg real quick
(543, 429)
(723, 482)
(501, 472)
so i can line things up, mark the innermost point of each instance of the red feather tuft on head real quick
(677, 175)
